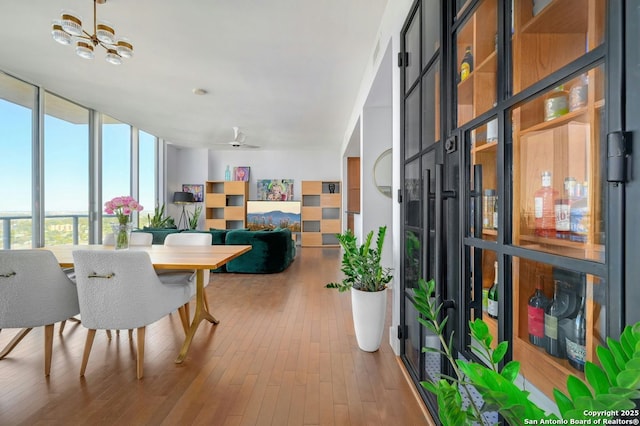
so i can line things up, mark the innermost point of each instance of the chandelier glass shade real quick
(68, 29)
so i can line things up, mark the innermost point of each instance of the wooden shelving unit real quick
(321, 213)
(226, 204)
(566, 146)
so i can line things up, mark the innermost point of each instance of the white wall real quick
(375, 208)
(389, 39)
(297, 165)
(184, 165)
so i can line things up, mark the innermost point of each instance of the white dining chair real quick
(137, 239)
(34, 291)
(121, 290)
(190, 239)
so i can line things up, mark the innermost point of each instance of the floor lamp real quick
(183, 198)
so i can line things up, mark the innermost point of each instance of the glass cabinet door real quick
(558, 189)
(476, 62)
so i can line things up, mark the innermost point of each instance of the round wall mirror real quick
(382, 173)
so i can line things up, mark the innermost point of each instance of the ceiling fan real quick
(238, 140)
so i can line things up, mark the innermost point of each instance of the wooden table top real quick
(163, 257)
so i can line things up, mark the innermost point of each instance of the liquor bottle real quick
(579, 216)
(492, 308)
(466, 67)
(556, 308)
(544, 208)
(576, 348)
(227, 174)
(538, 302)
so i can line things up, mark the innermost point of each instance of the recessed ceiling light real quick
(199, 92)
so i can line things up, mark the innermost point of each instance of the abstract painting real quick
(275, 189)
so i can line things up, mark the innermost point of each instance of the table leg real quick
(200, 314)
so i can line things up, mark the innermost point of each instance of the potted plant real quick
(159, 220)
(193, 219)
(609, 391)
(367, 280)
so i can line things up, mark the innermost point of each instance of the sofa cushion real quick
(271, 251)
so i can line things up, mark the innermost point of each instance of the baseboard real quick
(425, 411)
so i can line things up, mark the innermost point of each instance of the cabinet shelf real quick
(226, 204)
(484, 147)
(321, 206)
(579, 115)
(553, 18)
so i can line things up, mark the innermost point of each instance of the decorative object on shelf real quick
(275, 189)
(183, 198)
(241, 173)
(196, 189)
(122, 207)
(466, 67)
(227, 174)
(68, 29)
(332, 188)
(556, 104)
(367, 280)
(616, 384)
(578, 94)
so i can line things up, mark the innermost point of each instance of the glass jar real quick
(488, 207)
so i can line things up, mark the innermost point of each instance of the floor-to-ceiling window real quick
(66, 171)
(147, 175)
(17, 104)
(116, 163)
(46, 167)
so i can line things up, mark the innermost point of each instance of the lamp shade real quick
(180, 197)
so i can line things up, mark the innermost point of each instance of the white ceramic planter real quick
(369, 311)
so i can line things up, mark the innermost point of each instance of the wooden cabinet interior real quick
(477, 93)
(567, 145)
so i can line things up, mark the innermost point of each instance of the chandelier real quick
(68, 29)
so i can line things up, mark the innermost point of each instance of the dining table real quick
(198, 258)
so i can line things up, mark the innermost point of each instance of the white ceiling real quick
(287, 72)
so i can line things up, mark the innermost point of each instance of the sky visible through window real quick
(66, 158)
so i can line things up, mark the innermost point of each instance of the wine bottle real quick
(576, 348)
(467, 64)
(544, 207)
(492, 308)
(552, 314)
(538, 302)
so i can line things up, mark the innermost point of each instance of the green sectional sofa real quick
(271, 251)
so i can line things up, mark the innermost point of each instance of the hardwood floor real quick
(284, 353)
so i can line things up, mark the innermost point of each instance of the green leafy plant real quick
(610, 388)
(193, 218)
(362, 265)
(159, 220)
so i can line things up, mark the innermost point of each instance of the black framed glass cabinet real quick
(518, 190)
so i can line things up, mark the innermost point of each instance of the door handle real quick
(476, 195)
(426, 230)
(440, 196)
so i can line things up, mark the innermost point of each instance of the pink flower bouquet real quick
(122, 207)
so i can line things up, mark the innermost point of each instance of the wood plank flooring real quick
(284, 353)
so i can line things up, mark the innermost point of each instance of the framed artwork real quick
(241, 173)
(271, 215)
(196, 189)
(275, 189)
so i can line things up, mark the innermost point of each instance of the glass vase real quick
(121, 235)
